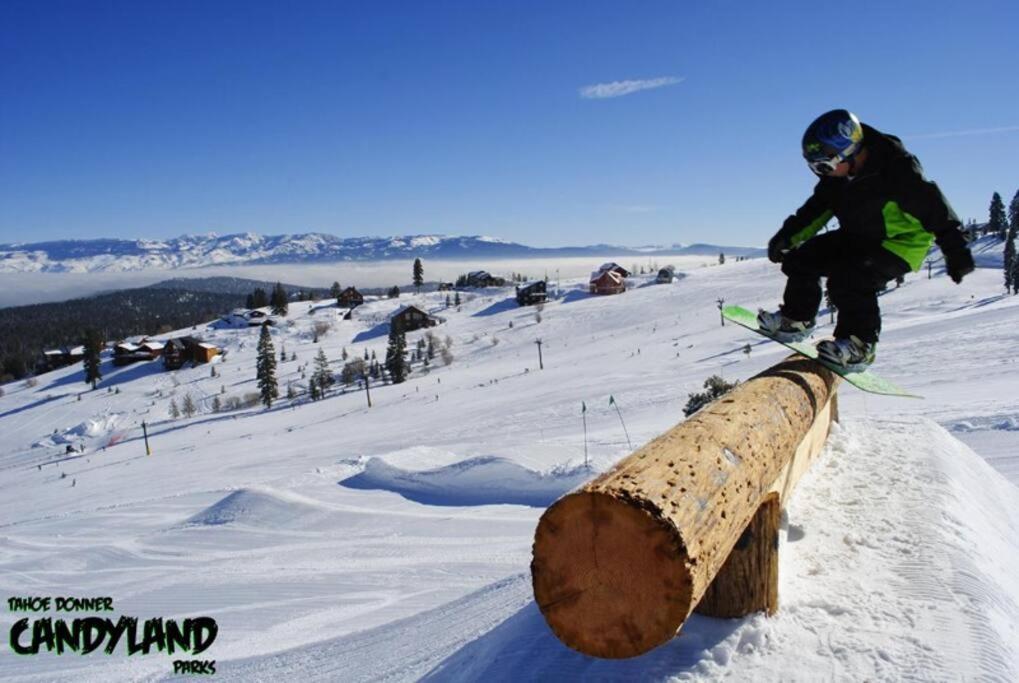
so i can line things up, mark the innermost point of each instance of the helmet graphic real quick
(833, 137)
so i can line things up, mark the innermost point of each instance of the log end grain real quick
(611, 577)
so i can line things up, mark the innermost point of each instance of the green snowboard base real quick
(865, 381)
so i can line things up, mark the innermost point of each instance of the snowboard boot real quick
(851, 355)
(783, 329)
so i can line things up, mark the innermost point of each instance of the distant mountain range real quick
(196, 251)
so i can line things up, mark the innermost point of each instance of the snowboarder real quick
(888, 215)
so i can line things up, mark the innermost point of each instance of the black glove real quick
(778, 246)
(959, 264)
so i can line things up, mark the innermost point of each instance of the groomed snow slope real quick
(893, 565)
(334, 542)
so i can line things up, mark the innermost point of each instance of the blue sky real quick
(154, 119)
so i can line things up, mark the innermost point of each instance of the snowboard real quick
(865, 381)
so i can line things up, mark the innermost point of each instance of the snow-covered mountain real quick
(195, 251)
(336, 542)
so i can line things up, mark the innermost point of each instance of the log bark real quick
(619, 564)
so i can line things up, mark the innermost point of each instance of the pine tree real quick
(396, 364)
(1013, 217)
(1009, 265)
(997, 224)
(259, 299)
(187, 406)
(278, 301)
(266, 368)
(217, 405)
(283, 353)
(322, 377)
(335, 291)
(174, 410)
(343, 353)
(419, 274)
(93, 344)
(456, 298)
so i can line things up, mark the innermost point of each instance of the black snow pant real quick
(855, 276)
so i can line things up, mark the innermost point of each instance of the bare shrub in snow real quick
(321, 328)
(352, 371)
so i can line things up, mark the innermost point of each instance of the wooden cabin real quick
(58, 358)
(153, 348)
(125, 353)
(257, 318)
(204, 352)
(410, 318)
(532, 293)
(181, 350)
(615, 268)
(174, 353)
(350, 297)
(482, 278)
(607, 282)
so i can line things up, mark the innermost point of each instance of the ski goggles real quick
(826, 165)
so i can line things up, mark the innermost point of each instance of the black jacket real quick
(889, 205)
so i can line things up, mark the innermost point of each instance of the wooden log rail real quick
(690, 520)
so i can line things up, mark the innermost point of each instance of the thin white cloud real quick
(601, 91)
(959, 133)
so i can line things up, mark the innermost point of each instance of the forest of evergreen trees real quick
(26, 331)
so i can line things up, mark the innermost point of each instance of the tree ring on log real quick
(611, 576)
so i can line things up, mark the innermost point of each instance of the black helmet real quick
(832, 138)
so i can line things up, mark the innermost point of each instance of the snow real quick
(331, 541)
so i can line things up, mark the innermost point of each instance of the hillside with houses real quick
(358, 528)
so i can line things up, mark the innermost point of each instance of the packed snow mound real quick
(94, 428)
(260, 507)
(486, 480)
